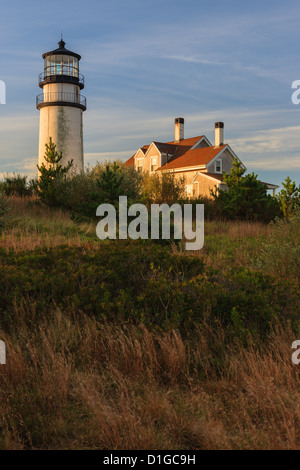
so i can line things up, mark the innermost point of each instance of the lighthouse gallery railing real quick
(61, 96)
(51, 74)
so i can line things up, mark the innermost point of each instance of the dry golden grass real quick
(230, 243)
(238, 229)
(73, 383)
(28, 239)
(31, 224)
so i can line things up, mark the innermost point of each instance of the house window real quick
(153, 164)
(140, 165)
(189, 190)
(218, 166)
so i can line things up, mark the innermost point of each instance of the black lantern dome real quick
(61, 66)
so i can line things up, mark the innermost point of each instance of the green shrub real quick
(83, 193)
(211, 210)
(281, 254)
(289, 197)
(51, 172)
(74, 190)
(3, 208)
(17, 185)
(134, 282)
(246, 197)
(107, 189)
(162, 188)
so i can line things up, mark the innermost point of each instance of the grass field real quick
(170, 350)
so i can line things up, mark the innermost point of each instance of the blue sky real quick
(147, 62)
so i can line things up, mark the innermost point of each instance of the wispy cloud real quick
(94, 157)
(26, 166)
(283, 140)
(194, 59)
(287, 165)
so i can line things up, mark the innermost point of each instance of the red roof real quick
(130, 162)
(190, 142)
(214, 175)
(145, 148)
(174, 149)
(181, 154)
(194, 157)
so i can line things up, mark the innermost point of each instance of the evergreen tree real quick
(109, 183)
(50, 172)
(246, 197)
(289, 197)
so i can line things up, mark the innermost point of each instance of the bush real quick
(246, 197)
(129, 181)
(83, 193)
(211, 210)
(289, 197)
(107, 189)
(74, 190)
(141, 282)
(162, 188)
(17, 185)
(3, 208)
(281, 254)
(50, 173)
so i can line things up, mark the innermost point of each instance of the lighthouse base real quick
(64, 125)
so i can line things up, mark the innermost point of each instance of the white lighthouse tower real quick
(61, 105)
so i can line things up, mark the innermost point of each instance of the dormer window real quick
(140, 165)
(218, 166)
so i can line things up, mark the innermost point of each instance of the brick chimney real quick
(219, 134)
(179, 129)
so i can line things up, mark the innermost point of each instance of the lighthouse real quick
(61, 105)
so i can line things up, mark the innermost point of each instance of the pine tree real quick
(289, 197)
(109, 183)
(246, 197)
(50, 172)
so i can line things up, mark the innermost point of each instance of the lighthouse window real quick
(49, 65)
(66, 65)
(52, 64)
(61, 65)
(75, 67)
